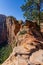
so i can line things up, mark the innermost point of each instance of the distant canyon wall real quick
(9, 27)
(2, 28)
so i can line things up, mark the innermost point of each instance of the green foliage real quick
(31, 9)
(41, 15)
(22, 32)
(5, 52)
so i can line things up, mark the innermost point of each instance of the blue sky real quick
(41, 7)
(12, 7)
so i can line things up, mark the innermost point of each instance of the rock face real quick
(2, 28)
(41, 25)
(29, 47)
(27, 38)
(12, 28)
(37, 57)
(9, 27)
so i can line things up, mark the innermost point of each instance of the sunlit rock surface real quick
(37, 57)
(28, 49)
(28, 38)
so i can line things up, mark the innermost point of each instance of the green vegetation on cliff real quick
(5, 52)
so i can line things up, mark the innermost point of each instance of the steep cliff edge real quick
(25, 39)
(29, 46)
(9, 27)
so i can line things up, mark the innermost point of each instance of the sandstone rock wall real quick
(2, 28)
(13, 27)
(41, 25)
(29, 49)
(9, 27)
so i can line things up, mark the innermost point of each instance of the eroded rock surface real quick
(29, 49)
(29, 43)
(37, 57)
(12, 29)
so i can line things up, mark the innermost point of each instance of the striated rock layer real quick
(13, 27)
(27, 38)
(9, 27)
(29, 47)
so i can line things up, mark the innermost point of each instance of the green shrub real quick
(22, 32)
(5, 52)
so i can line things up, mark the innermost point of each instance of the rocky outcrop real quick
(13, 27)
(29, 47)
(41, 25)
(37, 57)
(27, 38)
(9, 27)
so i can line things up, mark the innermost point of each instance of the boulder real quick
(37, 57)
